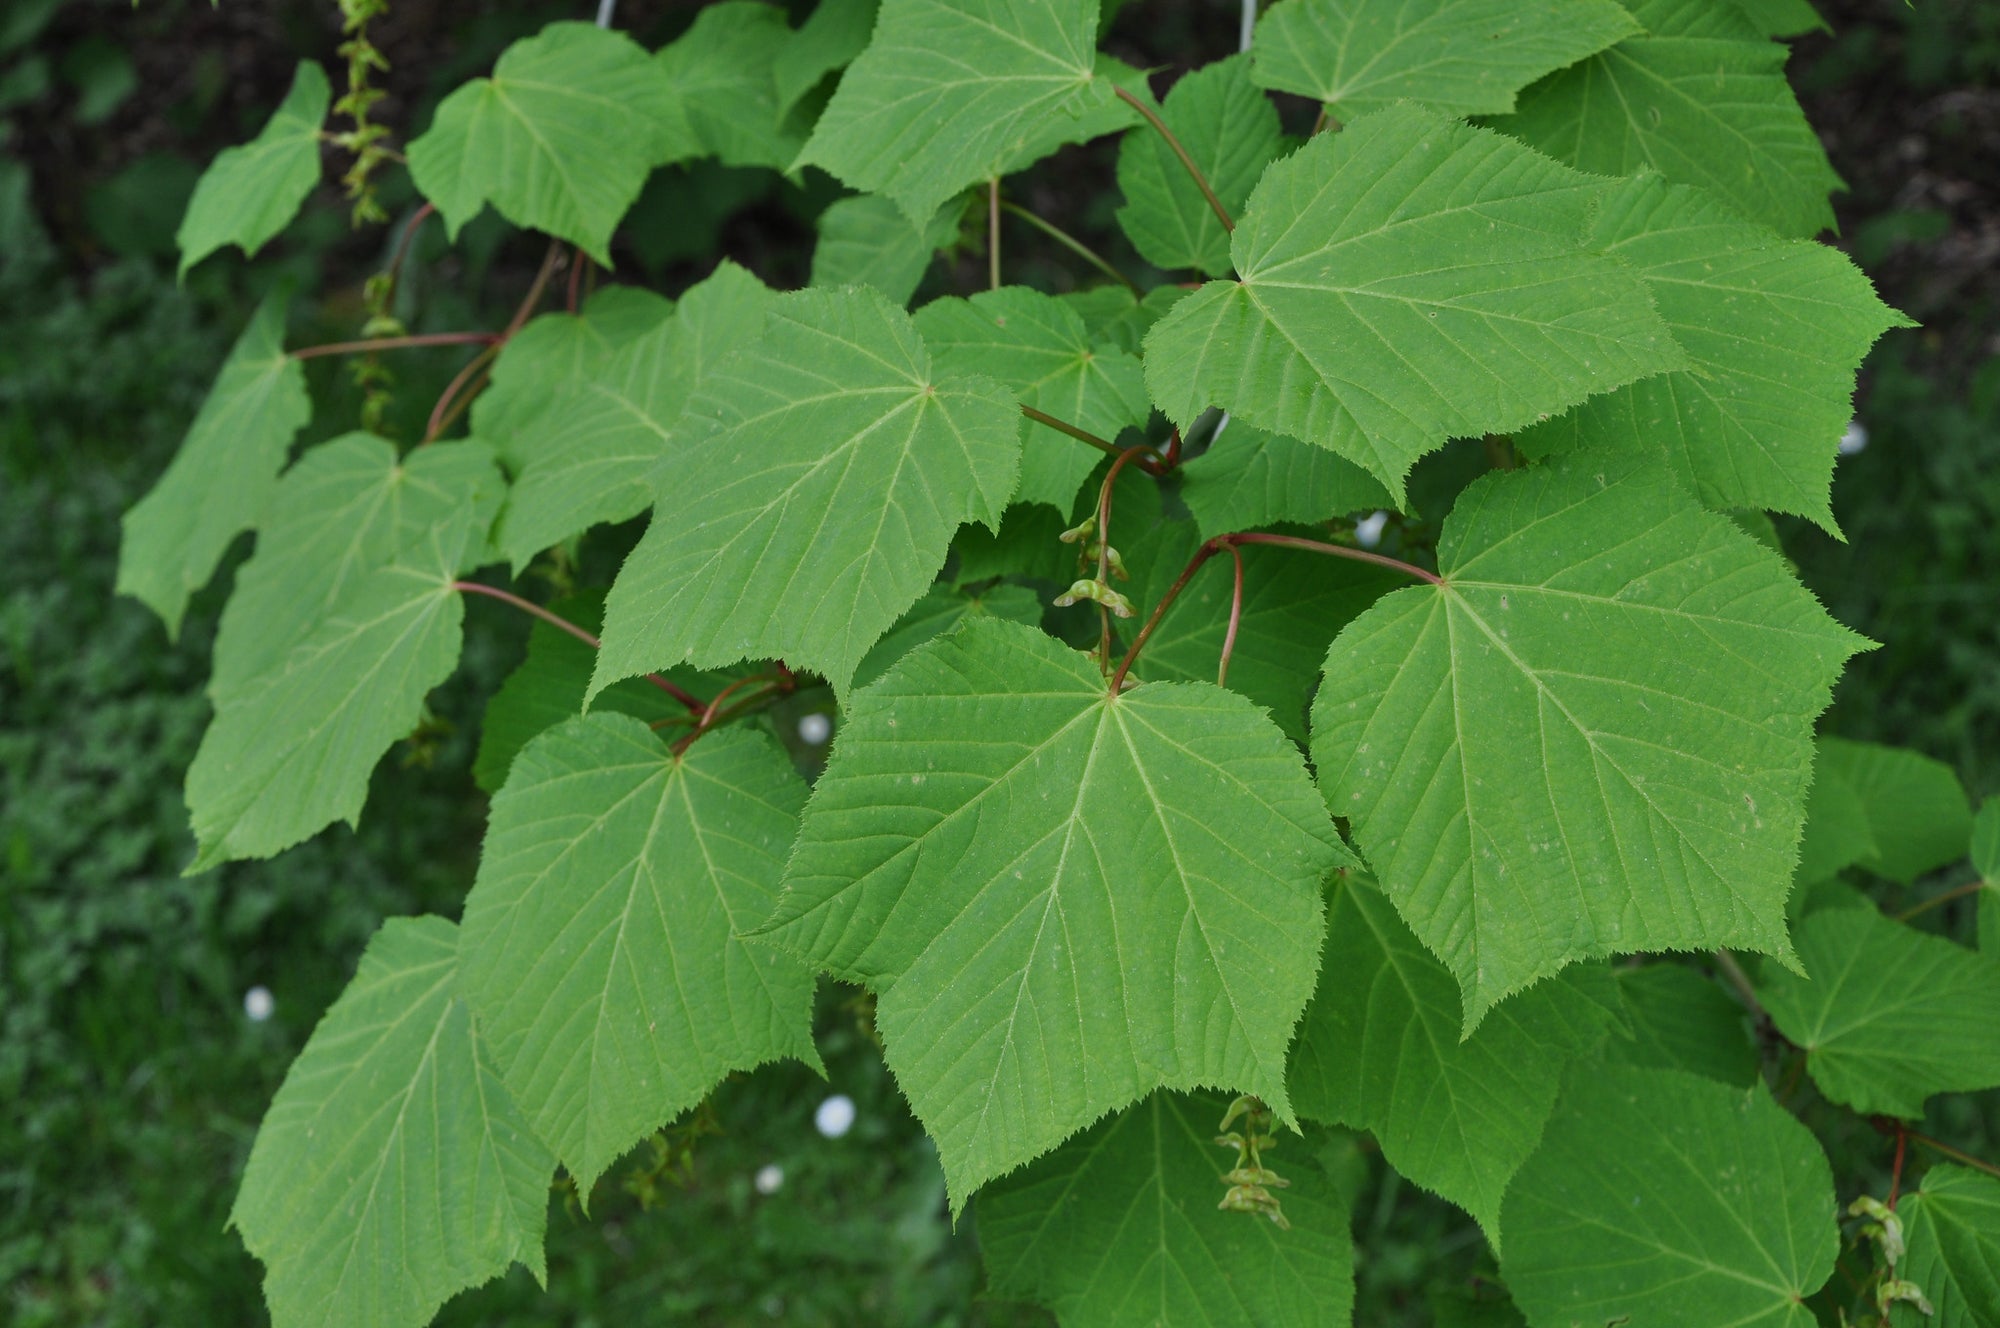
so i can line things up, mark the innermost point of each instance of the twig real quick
(1235, 617)
(1148, 465)
(1074, 245)
(396, 343)
(565, 625)
(993, 233)
(1200, 180)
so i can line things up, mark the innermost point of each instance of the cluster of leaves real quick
(1096, 895)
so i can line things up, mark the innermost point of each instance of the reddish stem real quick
(1200, 180)
(565, 625)
(1956, 1155)
(550, 262)
(439, 416)
(1956, 892)
(1896, 1172)
(707, 720)
(1337, 551)
(578, 261)
(1235, 617)
(1085, 436)
(416, 224)
(1104, 510)
(1173, 457)
(396, 343)
(1211, 547)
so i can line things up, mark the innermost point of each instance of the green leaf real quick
(1293, 605)
(549, 685)
(1887, 1015)
(1379, 1050)
(1231, 130)
(221, 479)
(1119, 1227)
(1461, 57)
(1114, 314)
(1952, 1230)
(560, 139)
(549, 353)
(1659, 1199)
(392, 1170)
(1250, 477)
(953, 92)
(821, 503)
(723, 70)
(1065, 900)
(1528, 781)
(1774, 330)
(1838, 832)
(1701, 98)
(1039, 348)
(250, 193)
(1918, 816)
(1360, 325)
(347, 508)
(832, 35)
(600, 951)
(1782, 18)
(591, 455)
(941, 609)
(1683, 1021)
(867, 241)
(290, 752)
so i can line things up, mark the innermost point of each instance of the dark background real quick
(130, 1079)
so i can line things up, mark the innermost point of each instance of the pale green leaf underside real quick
(822, 502)
(1952, 1227)
(1379, 1049)
(347, 508)
(551, 351)
(1529, 782)
(941, 609)
(1231, 130)
(290, 752)
(1684, 1021)
(1405, 281)
(833, 34)
(1701, 98)
(599, 950)
(867, 241)
(723, 72)
(217, 485)
(250, 193)
(1038, 347)
(1065, 901)
(1250, 477)
(1915, 810)
(1461, 57)
(1659, 1199)
(1774, 330)
(1119, 1227)
(392, 1170)
(559, 139)
(590, 456)
(1293, 604)
(953, 92)
(1887, 1015)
